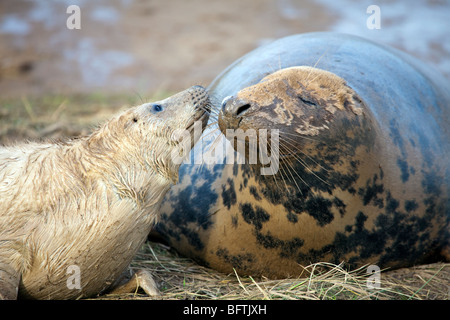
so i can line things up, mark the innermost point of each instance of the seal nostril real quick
(242, 109)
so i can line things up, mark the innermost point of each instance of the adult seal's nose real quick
(233, 107)
(232, 112)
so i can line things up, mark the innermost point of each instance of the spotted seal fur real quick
(364, 177)
(83, 208)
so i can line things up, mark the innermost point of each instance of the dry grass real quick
(181, 278)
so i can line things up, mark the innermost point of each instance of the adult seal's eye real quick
(157, 108)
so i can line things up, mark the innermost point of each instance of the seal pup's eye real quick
(135, 119)
(156, 108)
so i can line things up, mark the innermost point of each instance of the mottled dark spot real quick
(235, 169)
(432, 183)
(319, 209)
(430, 204)
(238, 261)
(425, 147)
(316, 171)
(403, 165)
(397, 137)
(272, 192)
(255, 193)
(256, 217)
(354, 164)
(391, 203)
(316, 206)
(229, 194)
(352, 190)
(292, 217)
(370, 193)
(411, 205)
(234, 221)
(288, 247)
(338, 203)
(359, 221)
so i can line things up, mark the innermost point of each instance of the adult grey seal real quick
(73, 215)
(363, 177)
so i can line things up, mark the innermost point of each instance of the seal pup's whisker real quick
(216, 141)
(213, 118)
(211, 125)
(211, 132)
(139, 96)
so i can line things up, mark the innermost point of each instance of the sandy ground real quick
(134, 46)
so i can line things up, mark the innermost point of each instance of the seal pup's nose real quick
(200, 98)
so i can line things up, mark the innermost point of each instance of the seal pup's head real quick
(153, 136)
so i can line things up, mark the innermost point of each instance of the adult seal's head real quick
(300, 103)
(73, 215)
(363, 177)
